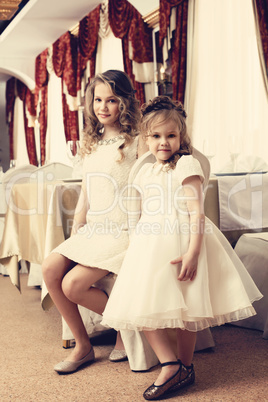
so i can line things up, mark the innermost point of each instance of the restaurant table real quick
(252, 249)
(38, 218)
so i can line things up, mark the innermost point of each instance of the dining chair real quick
(53, 171)
(17, 175)
(252, 249)
(29, 173)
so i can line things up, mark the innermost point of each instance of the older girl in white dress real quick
(179, 271)
(99, 236)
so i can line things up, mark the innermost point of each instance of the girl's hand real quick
(188, 267)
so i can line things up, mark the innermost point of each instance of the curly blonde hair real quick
(129, 118)
(159, 110)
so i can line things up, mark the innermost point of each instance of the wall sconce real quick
(164, 82)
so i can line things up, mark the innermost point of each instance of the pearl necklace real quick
(111, 140)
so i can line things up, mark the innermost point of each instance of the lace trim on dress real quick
(111, 140)
(198, 324)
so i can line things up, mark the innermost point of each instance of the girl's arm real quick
(80, 211)
(193, 192)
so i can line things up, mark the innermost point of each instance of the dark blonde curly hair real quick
(159, 110)
(129, 118)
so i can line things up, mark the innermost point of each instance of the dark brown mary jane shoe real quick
(190, 379)
(155, 392)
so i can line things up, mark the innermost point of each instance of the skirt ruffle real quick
(198, 324)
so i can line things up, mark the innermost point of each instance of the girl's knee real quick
(71, 288)
(47, 270)
(50, 270)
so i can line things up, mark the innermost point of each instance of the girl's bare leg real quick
(160, 343)
(75, 288)
(186, 344)
(55, 269)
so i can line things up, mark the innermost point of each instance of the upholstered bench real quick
(252, 249)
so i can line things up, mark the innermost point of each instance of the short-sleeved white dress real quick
(147, 294)
(103, 241)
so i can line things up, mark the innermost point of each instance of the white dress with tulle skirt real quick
(147, 294)
(103, 241)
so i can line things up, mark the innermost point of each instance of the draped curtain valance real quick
(260, 9)
(64, 58)
(87, 42)
(41, 83)
(127, 24)
(164, 15)
(179, 42)
(41, 74)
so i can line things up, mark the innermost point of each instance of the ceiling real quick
(39, 24)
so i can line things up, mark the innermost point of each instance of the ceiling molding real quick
(152, 18)
(8, 8)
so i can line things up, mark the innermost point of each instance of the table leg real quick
(66, 343)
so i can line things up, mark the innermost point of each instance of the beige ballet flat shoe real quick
(69, 367)
(117, 355)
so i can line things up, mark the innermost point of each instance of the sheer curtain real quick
(109, 54)
(55, 138)
(226, 102)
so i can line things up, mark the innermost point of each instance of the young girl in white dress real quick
(179, 271)
(99, 235)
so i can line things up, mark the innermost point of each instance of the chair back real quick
(205, 165)
(53, 171)
(20, 174)
(148, 157)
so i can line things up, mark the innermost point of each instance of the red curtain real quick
(10, 102)
(41, 82)
(87, 43)
(28, 100)
(127, 24)
(65, 61)
(262, 10)
(65, 66)
(14, 87)
(179, 43)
